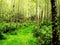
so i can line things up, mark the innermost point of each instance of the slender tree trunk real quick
(13, 1)
(54, 23)
(47, 13)
(37, 10)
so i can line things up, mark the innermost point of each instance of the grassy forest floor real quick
(22, 36)
(25, 34)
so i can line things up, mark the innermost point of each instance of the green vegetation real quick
(24, 35)
(28, 22)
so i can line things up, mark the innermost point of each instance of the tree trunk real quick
(37, 11)
(54, 23)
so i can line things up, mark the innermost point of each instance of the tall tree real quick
(13, 2)
(37, 11)
(54, 23)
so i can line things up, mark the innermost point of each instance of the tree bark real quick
(54, 23)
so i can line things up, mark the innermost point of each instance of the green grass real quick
(24, 36)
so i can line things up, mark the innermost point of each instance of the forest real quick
(29, 22)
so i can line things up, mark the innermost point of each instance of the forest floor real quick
(23, 36)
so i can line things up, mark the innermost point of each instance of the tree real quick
(54, 23)
(37, 10)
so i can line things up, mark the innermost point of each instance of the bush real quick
(2, 37)
(7, 27)
(46, 23)
(43, 35)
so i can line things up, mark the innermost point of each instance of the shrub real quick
(43, 35)
(7, 28)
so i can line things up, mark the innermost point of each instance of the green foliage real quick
(43, 35)
(23, 29)
(45, 22)
(7, 27)
(24, 36)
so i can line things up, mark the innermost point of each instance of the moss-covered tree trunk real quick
(54, 23)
